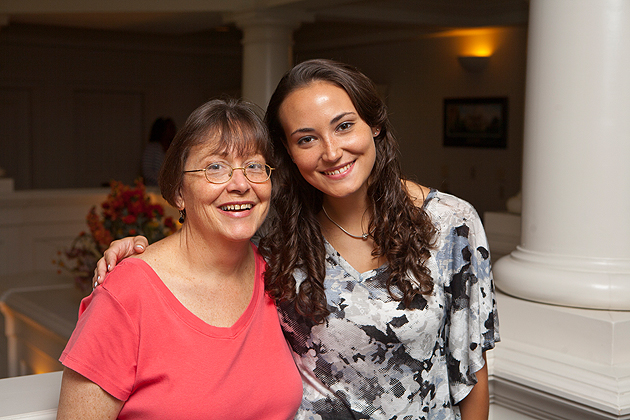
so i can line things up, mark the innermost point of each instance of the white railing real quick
(33, 397)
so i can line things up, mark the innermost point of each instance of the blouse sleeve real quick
(104, 344)
(472, 320)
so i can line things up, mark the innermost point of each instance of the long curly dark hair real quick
(403, 232)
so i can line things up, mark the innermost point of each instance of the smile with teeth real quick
(236, 207)
(340, 170)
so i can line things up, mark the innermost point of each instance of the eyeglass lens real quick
(219, 172)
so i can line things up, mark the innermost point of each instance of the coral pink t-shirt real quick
(141, 345)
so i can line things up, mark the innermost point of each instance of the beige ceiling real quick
(190, 16)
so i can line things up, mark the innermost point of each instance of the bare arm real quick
(117, 251)
(476, 405)
(81, 398)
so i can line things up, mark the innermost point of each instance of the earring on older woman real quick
(182, 216)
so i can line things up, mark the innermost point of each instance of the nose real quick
(332, 151)
(238, 183)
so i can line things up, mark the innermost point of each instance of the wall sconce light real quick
(473, 64)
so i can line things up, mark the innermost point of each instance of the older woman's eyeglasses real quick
(220, 173)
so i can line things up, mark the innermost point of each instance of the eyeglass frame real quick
(232, 169)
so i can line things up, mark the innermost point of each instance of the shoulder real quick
(418, 193)
(441, 205)
(128, 276)
(455, 218)
(445, 210)
(129, 287)
(159, 257)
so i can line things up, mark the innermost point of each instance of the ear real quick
(288, 151)
(179, 200)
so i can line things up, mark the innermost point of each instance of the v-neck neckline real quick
(339, 259)
(193, 320)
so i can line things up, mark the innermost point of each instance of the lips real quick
(236, 207)
(340, 170)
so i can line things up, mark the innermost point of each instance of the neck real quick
(355, 202)
(348, 212)
(202, 253)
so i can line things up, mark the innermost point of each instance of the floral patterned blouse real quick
(373, 359)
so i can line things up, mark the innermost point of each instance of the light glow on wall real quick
(474, 42)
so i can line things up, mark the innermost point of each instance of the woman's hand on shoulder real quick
(417, 192)
(117, 251)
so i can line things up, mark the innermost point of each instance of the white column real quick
(267, 50)
(575, 244)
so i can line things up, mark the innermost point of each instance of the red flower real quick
(126, 211)
(130, 219)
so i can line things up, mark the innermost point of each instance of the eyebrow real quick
(333, 121)
(302, 130)
(340, 116)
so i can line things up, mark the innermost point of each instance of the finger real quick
(111, 255)
(140, 243)
(123, 248)
(99, 272)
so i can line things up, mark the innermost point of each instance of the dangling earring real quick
(182, 216)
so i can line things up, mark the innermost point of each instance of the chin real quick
(341, 191)
(242, 236)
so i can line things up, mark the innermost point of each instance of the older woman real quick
(196, 336)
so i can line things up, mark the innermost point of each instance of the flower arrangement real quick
(127, 211)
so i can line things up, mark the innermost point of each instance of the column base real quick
(561, 363)
(579, 282)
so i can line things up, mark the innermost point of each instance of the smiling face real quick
(233, 210)
(331, 145)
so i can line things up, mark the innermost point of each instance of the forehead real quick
(316, 100)
(217, 146)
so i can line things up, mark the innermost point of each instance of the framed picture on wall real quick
(475, 122)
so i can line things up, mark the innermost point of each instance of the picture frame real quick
(476, 122)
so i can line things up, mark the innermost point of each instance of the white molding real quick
(562, 377)
(561, 363)
(537, 404)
